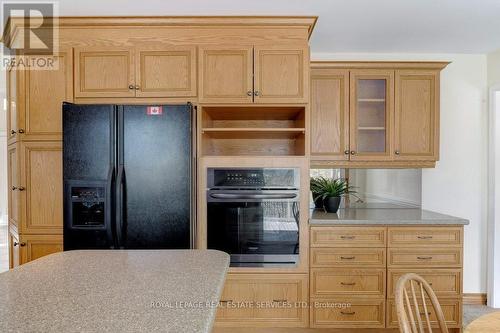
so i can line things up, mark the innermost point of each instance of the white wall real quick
(458, 184)
(3, 151)
(494, 68)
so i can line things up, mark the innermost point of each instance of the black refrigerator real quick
(128, 176)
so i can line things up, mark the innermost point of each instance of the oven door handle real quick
(253, 196)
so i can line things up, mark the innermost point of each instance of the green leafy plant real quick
(323, 188)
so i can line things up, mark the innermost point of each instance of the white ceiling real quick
(347, 26)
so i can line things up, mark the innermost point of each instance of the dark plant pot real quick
(332, 204)
(318, 202)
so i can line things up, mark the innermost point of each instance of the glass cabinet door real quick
(371, 113)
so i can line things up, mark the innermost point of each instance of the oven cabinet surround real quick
(255, 285)
(375, 114)
(131, 60)
(254, 74)
(361, 264)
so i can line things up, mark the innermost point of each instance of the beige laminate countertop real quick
(394, 216)
(114, 291)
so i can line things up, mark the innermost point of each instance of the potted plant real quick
(331, 192)
(316, 185)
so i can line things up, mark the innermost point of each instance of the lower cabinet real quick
(26, 248)
(354, 271)
(264, 300)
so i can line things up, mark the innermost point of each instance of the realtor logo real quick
(33, 30)
(154, 110)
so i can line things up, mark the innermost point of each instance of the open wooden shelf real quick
(253, 130)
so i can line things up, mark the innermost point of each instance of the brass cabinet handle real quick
(137, 87)
(348, 258)
(21, 188)
(249, 93)
(348, 313)
(20, 131)
(12, 132)
(15, 244)
(14, 188)
(346, 152)
(424, 237)
(347, 237)
(396, 152)
(22, 244)
(348, 283)
(353, 152)
(131, 86)
(257, 93)
(424, 258)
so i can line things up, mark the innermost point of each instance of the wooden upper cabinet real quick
(371, 114)
(45, 91)
(226, 74)
(14, 204)
(104, 72)
(12, 114)
(330, 114)
(281, 74)
(166, 72)
(416, 135)
(42, 193)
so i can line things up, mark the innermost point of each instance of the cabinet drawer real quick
(452, 310)
(338, 313)
(425, 236)
(348, 236)
(347, 257)
(434, 257)
(328, 282)
(444, 282)
(264, 299)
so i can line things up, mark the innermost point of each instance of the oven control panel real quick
(253, 178)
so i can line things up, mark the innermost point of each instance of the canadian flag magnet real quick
(154, 110)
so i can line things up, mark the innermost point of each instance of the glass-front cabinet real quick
(371, 112)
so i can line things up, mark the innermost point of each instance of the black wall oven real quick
(253, 214)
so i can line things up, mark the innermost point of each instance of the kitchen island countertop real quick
(114, 291)
(382, 216)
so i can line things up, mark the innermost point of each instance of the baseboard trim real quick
(474, 299)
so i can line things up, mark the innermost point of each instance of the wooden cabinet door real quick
(371, 114)
(41, 175)
(105, 72)
(12, 114)
(166, 72)
(416, 115)
(330, 114)
(14, 256)
(281, 74)
(13, 197)
(36, 246)
(226, 74)
(45, 91)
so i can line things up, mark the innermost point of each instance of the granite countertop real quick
(383, 216)
(114, 291)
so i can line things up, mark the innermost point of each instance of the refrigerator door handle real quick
(109, 204)
(119, 207)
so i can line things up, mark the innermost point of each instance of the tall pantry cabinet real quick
(34, 158)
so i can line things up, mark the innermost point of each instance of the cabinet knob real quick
(20, 131)
(353, 152)
(137, 87)
(15, 244)
(14, 188)
(257, 93)
(346, 152)
(12, 132)
(21, 188)
(131, 86)
(22, 244)
(396, 152)
(249, 93)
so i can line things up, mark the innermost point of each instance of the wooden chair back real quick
(412, 294)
